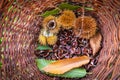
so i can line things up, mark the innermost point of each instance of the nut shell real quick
(47, 20)
(51, 40)
(42, 39)
(67, 19)
(88, 29)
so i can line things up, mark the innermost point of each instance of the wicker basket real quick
(20, 24)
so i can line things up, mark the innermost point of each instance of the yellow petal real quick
(62, 66)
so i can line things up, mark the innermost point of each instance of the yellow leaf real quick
(95, 42)
(64, 65)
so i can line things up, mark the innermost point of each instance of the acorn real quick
(51, 40)
(85, 27)
(42, 39)
(67, 19)
(51, 24)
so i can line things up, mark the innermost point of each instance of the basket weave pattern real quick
(21, 24)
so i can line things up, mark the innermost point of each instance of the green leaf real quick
(0, 40)
(52, 12)
(89, 8)
(41, 63)
(0, 64)
(74, 73)
(68, 6)
(72, 7)
(40, 47)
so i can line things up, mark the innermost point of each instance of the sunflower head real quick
(50, 24)
(86, 26)
(67, 19)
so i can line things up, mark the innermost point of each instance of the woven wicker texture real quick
(21, 23)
